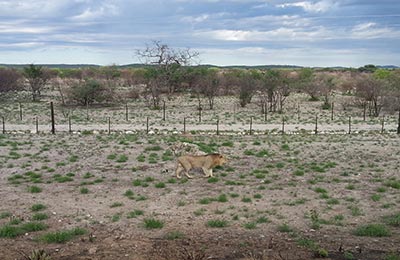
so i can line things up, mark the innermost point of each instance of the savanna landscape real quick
(312, 172)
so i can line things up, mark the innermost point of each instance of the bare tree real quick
(370, 93)
(165, 73)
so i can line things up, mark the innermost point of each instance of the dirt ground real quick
(279, 196)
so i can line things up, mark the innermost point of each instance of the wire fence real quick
(128, 118)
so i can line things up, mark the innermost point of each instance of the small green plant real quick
(37, 254)
(246, 199)
(372, 230)
(348, 255)
(222, 198)
(34, 189)
(122, 158)
(285, 228)
(152, 223)
(393, 220)
(116, 204)
(173, 235)
(392, 256)
(160, 185)
(250, 225)
(321, 252)
(217, 223)
(4, 215)
(212, 180)
(38, 207)
(135, 213)
(40, 216)
(84, 190)
(62, 236)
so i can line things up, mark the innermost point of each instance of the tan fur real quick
(205, 162)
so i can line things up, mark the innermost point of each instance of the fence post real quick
(37, 125)
(163, 110)
(265, 111)
(109, 125)
(147, 125)
(200, 109)
(383, 125)
(87, 111)
(298, 112)
(53, 128)
(20, 111)
(349, 124)
(4, 124)
(251, 125)
(184, 125)
(332, 107)
(398, 126)
(126, 112)
(316, 124)
(283, 125)
(217, 126)
(69, 125)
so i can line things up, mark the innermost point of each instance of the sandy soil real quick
(271, 181)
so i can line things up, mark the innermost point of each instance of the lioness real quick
(205, 162)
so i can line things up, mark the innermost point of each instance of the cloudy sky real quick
(226, 32)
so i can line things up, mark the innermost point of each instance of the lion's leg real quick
(207, 172)
(178, 170)
(187, 174)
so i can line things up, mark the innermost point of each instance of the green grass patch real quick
(62, 236)
(372, 230)
(217, 223)
(152, 223)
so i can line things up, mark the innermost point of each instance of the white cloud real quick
(317, 7)
(92, 13)
(283, 33)
(371, 30)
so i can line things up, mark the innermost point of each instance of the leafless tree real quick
(166, 64)
(370, 94)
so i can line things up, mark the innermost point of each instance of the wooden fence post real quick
(283, 125)
(147, 125)
(69, 125)
(163, 110)
(349, 124)
(184, 125)
(332, 107)
(53, 124)
(126, 112)
(109, 125)
(383, 125)
(4, 124)
(37, 125)
(217, 126)
(20, 111)
(316, 124)
(251, 125)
